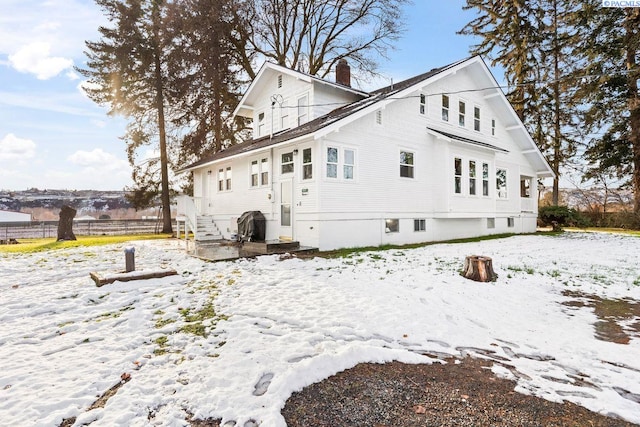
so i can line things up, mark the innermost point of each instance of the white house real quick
(442, 155)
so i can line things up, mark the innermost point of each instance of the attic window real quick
(260, 124)
(493, 127)
(462, 110)
(423, 103)
(279, 81)
(379, 117)
(445, 108)
(476, 119)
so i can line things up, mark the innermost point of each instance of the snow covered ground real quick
(233, 340)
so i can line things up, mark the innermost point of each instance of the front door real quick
(286, 209)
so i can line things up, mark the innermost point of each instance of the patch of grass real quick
(635, 233)
(193, 319)
(39, 245)
(161, 323)
(161, 342)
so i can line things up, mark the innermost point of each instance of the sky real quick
(53, 137)
(280, 325)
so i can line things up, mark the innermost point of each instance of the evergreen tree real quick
(611, 45)
(535, 43)
(206, 70)
(127, 72)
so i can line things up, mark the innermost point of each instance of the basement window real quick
(419, 225)
(392, 225)
(510, 222)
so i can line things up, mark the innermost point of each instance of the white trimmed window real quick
(332, 162)
(220, 179)
(307, 164)
(406, 164)
(286, 163)
(284, 116)
(303, 109)
(491, 223)
(457, 175)
(349, 165)
(260, 124)
(511, 222)
(445, 108)
(485, 179)
(419, 225)
(279, 81)
(259, 172)
(423, 103)
(501, 183)
(476, 118)
(472, 177)
(340, 163)
(228, 178)
(493, 127)
(462, 111)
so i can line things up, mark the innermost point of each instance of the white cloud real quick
(95, 158)
(71, 75)
(35, 58)
(14, 148)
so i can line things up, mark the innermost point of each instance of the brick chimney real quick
(343, 73)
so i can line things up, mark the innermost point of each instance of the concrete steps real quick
(206, 229)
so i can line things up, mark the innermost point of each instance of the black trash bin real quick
(252, 227)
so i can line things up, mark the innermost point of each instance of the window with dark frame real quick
(457, 175)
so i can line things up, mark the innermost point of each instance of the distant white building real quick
(10, 216)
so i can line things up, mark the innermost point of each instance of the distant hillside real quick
(45, 204)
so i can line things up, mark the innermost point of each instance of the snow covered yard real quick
(233, 340)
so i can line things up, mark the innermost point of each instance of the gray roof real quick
(320, 122)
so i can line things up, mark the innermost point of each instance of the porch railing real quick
(188, 211)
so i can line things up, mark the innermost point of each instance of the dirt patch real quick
(400, 395)
(619, 319)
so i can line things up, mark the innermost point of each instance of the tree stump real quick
(479, 268)
(65, 224)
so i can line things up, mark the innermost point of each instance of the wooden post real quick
(479, 268)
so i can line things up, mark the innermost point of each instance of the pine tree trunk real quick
(479, 268)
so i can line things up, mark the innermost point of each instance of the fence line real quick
(107, 227)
